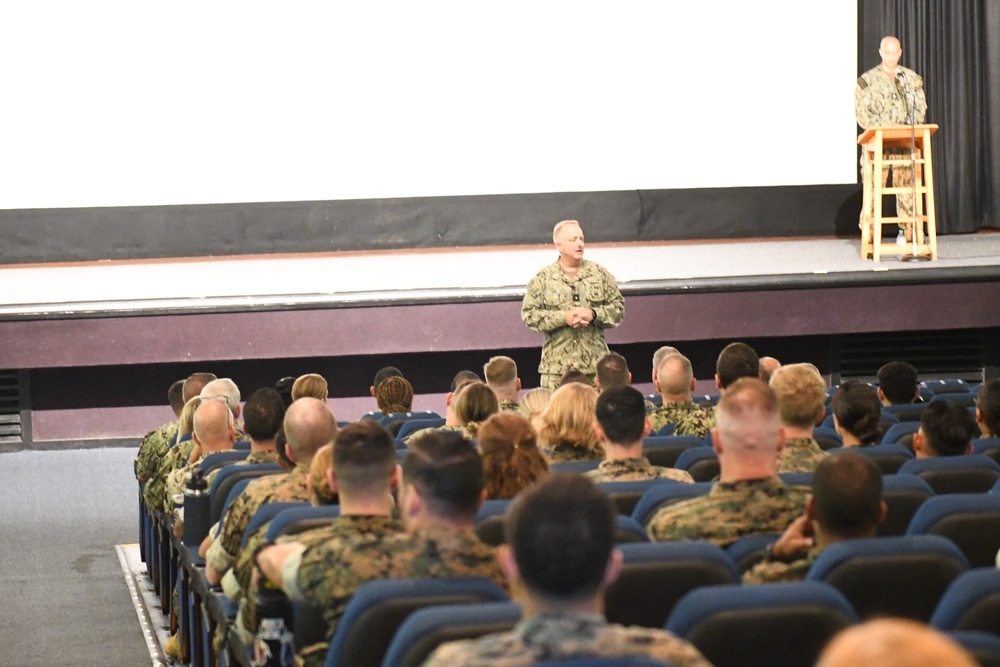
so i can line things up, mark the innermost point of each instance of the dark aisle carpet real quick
(65, 600)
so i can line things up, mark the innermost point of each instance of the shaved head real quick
(894, 643)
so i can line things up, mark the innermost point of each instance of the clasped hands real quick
(579, 317)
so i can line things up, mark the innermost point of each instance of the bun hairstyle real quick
(511, 458)
(858, 410)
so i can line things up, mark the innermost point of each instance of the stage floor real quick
(228, 284)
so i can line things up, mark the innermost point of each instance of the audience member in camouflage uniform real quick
(213, 432)
(748, 498)
(857, 412)
(880, 99)
(149, 463)
(451, 421)
(846, 503)
(501, 377)
(440, 492)
(737, 360)
(155, 443)
(309, 425)
(621, 426)
(177, 456)
(571, 301)
(801, 394)
(561, 582)
(362, 474)
(674, 382)
(946, 429)
(894, 642)
(566, 426)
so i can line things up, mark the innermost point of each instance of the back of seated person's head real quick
(612, 371)
(561, 532)
(748, 419)
(945, 429)
(185, 423)
(447, 472)
(847, 495)
(898, 382)
(309, 425)
(263, 414)
(801, 393)
(281, 447)
(223, 388)
(894, 642)
(675, 376)
(383, 373)
(195, 383)
(284, 389)
(175, 395)
(463, 378)
(569, 417)
(621, 412)
(310, 384)
(988, 408)
(659, 355)
(511, 458)
(319, 486)
(213, 424)
(364, 458)
(737, 360)
(394, 394)
(474, 405)
(500, 373)
(857, 409)
(534, 401)
(573, 375)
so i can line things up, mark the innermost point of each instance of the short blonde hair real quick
(322, 492)
(533, 402)
(310, 384)
(801, 394)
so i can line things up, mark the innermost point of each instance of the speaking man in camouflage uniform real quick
(749, 497)
(571, 301)
(309, 425)
(441, 490)
(883, 97)
(674, 382)
(560, 558)
(846, 503)
(621, 426)
(801, 394)
(737, 360)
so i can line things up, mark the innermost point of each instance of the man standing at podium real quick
(884, 96)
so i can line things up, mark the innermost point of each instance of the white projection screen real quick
(138, 103)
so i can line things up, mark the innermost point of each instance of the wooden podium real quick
(875, 141)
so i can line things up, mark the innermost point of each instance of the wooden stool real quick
(875, 141)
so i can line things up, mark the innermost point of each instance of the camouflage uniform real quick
(699, 423)
(153, 447)
(289, 487)
(671, 413)
(508, 405)
(328, 574)
(424, 431)
(561, 636)
(879, 101)
(636, 470)
(342, 528)
(565, 451)
(176, 457)
(800, 455)
(550, 295)
(257, 458)
(730, 511)
(775, 571)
